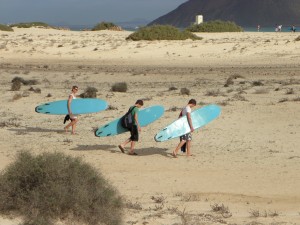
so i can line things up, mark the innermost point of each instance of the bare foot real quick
(132, 153)
(174, 155)
(121, 148)
(66, 130)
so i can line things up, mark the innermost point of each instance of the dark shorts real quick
(186, 137)
(134, 133)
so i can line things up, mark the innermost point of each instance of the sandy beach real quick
(247, 159)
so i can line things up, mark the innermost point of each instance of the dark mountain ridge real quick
(242, 12)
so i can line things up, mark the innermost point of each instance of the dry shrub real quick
(110, 107)
(16, 85)
(90, 92)
(131, 205)
(37, 90)
(52, 186)
(23, 81)
(173, 88)
(173, 109)
(119, 87)
(223, 210)
(185, 91)
(257, 83)
(229, 81)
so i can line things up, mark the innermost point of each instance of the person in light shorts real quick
(73, 117)
(186, 138)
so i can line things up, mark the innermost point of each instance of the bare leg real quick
(132, 147)
(188, 148)
(178, 147)
(71, 124)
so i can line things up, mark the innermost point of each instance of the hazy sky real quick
(83, 11)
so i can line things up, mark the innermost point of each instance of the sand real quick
(248, 159)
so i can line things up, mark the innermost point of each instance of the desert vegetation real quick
(5, 28)
(161, 32)
(119, 87)
(89, 92)
(215, 26)
(31, 24)
(106, 26)
(52, 186)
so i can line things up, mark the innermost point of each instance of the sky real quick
(83, 12)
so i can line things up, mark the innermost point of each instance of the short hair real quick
(74, 87)
(192, 101)
(139, 102)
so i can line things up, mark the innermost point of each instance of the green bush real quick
(30, 24)
(45, 188)
(161, 32)
(104, 26)
(215, 26)
(5, 28)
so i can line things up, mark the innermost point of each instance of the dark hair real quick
(139, 102)
(74, 87)
(192, 101)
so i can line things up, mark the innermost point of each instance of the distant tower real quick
(199, 19)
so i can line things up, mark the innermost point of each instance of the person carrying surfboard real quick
(134, 129)
(73, 117)
(186, 138)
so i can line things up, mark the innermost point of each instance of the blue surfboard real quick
(78, 106)
(179, 127)
(145, 116)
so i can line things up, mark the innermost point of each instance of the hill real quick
(243, 12)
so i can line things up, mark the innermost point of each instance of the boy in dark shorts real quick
(186, 138)
(134, 130)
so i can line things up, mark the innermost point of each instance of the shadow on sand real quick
(115, 149)
(111, 148)
(37, 129)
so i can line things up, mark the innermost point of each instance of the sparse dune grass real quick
(215, 26)
(161, 32)
(52, 186)
(5, 28)
(31, 24)
(105, 26)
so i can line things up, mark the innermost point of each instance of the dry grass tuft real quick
(221, 209)
(230, 81)
(89, 92)
(119, 87)
(16, 85)
(185, 91)
(173, 88)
